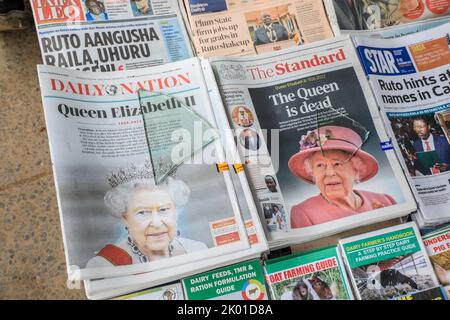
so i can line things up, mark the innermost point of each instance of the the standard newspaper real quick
(229, 27)
(347, 16)
(317, 156)
(389, 263)
(131, 180)
(410, 79)
(110, 35)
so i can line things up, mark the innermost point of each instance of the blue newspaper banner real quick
(207, 6)
(386, 61)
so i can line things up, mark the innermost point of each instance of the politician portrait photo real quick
(141, 7)
(423, 144)
(273, 25)
(95, 10)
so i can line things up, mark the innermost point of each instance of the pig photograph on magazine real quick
(330, 157)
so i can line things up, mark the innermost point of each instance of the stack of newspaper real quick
(407, 77)
(167, 165)
(410, 78)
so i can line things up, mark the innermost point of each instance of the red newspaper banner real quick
(46, 11)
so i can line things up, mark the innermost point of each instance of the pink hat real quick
(332, 138)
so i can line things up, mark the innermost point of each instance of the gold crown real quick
(134, 173)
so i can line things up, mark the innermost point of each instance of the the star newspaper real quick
(110, 35)
(363, 15)
(122, 211)
(410, 78)
(293, 112)
(229, 27)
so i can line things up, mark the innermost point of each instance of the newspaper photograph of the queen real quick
(122, 210)
(322, 141)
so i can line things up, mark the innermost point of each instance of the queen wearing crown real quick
(148, 212)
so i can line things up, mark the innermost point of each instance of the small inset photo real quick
(274, 216)
(242, 116)
(95, 10)
(271, 183)
(443, 117)
(273, 27)
(423, 141)
(141, 7)
(249, 139)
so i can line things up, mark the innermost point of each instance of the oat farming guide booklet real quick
(314, 275)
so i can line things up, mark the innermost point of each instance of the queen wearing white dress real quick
(149, 214)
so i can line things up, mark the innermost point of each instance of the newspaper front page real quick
(291, 112)
(347, 16)
(230, 27)
(410, 77)
(119, 216)
(110, 35)
(106, 288)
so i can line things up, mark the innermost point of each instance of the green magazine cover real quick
(242, 281)
(313, 275)
(388, 263)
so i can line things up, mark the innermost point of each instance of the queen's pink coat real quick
(317, 210)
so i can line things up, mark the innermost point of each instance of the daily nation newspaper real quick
(141, 175)
(349, 16)
(410, 77)
(109, 287)
(308, 131)
(246, 27)
(110, 35)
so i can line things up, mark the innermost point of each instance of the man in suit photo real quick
(269, 32)
(430, 142)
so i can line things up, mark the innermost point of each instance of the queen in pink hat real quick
(330, 157)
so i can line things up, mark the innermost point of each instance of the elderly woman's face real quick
(151, 219)
(333, 174)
